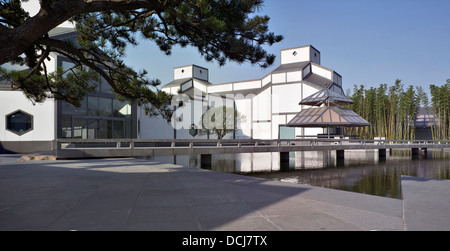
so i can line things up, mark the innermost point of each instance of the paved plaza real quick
(139, 194)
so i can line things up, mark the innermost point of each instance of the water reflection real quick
(361, 171)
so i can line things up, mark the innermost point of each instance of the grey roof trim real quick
(63, 32)
(177, 82)
(180, 82)
(291, 67)
(5, 87)
(318, 80)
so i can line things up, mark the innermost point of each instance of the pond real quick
(361, 171)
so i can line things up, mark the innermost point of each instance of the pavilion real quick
(327, 112)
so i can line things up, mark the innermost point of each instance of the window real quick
(97, 118)
(118, 131)
(121, 109)
(100, 107)
(79, 128)
(66, 127)
(19, 122)
(70, 109)
(99, 129)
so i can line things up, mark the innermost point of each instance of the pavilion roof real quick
(328, 116)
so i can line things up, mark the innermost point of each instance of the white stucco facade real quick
(43, 117)
(267, 103)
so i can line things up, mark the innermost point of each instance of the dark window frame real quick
(16, 132)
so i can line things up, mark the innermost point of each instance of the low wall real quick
(25, 146)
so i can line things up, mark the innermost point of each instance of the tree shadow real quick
(136, 194)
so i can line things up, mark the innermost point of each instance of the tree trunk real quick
(13, 42)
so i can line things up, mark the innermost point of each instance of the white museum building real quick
(267, 105)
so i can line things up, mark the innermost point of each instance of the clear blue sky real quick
(368, 42)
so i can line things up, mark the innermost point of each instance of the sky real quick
(368, 42)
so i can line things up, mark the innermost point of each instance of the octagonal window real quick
(19, 122)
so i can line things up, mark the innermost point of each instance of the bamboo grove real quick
(392, 110)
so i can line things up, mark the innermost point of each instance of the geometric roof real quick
(178, 82)
(326, 96)
(328, 116)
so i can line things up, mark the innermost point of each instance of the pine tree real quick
(220, 30)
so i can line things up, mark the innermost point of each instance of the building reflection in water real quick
(361, 171)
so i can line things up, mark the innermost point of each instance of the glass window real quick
(128, 128)
(92, 128)
(70, 109)
(100, 107)
(118, 131)
(121, 109)
(66, 127)
(105, 86)
(99, 129)
(19, 122)
(105, 129)
(79, 128)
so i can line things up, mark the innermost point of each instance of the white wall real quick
(279, 78)
(277, 120)
(308, 91)
(51, 64)
(267, 80)
(286, 98)
(322, 71)
(190, 71)
(275, 105)
(262, 130)
(301, 54)
(294, 76)
(153, 127)
(244, 107)
(247, 85)
(220, 88)
(43, 117)
(200, 86)
(261, 106)
(182, 72)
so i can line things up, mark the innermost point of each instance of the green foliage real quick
(71, 85)
(440, 107)
(393, 110)
(220, 121)
(220, 30)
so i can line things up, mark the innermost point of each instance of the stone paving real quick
(138, 194)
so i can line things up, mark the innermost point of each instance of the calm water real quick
(361, 171)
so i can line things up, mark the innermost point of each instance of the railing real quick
(102, 148)
(192, 143)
